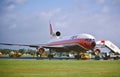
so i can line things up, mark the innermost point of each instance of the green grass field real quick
(59, 68)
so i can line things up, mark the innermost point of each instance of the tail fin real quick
(51, 30)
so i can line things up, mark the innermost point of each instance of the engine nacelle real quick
(97, 51)
(41, 50)
(58, 33)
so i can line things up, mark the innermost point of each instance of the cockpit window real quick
(88, 40)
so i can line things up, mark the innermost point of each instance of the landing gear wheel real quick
(97, 57)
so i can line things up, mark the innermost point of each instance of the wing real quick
(29, 45)
(66, 47)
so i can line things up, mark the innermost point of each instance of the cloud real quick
(10, 5)
(101, 1)
(106, 9)
(111, 6)
(13, 26)
(16, 2)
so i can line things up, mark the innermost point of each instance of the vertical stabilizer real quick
(51, 30)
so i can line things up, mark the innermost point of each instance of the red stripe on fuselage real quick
(79, 41)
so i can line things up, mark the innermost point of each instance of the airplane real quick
(77, 43)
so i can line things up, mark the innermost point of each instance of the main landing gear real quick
(50, 55)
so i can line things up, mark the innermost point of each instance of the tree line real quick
(22, 51)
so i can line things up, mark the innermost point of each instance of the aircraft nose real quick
(93, 44)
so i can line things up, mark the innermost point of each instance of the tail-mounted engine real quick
(58, 33)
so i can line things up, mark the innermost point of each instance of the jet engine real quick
(40, 51)
(58, 33)
(97, 56)
(97, 51)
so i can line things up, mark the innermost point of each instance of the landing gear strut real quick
(77, 56)
(50, 55)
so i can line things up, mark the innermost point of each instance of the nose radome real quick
(93, 44)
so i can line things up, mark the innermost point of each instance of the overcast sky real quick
(27, 21)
